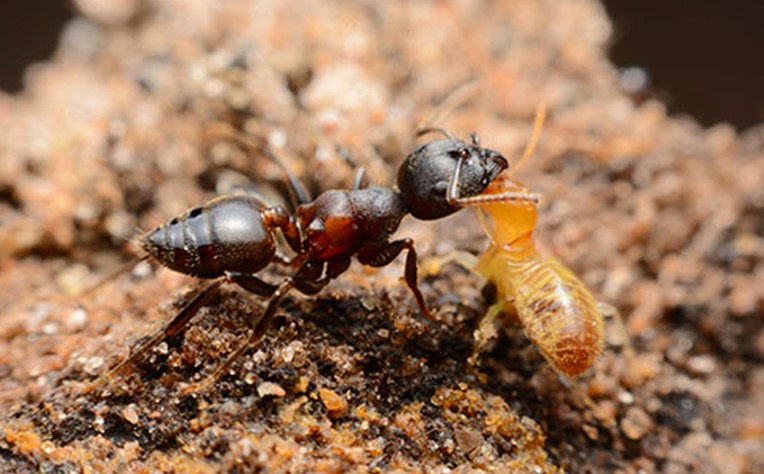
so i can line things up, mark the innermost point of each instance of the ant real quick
(559, 314)
(231, 238)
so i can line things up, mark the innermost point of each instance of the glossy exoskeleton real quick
(231, 238)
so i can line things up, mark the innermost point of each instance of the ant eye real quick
(458, 153)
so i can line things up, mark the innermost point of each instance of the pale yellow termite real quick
(559, 314)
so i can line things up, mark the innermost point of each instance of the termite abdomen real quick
(226, 234)
(559, 314)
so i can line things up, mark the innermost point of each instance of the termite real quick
(559, 314)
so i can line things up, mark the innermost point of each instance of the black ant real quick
(231, 238)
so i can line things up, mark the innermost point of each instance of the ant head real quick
(424, 177)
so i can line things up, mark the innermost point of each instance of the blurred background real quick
(700, 57)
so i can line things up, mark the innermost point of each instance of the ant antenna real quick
(443, 131)
(538, 123)
(457, 97)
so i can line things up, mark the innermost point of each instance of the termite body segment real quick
(559, 314)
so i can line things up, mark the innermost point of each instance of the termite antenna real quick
(538, 124)
(457, 97)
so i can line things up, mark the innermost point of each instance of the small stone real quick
(76, 321)
(130, 413)
(334, 402)
(701, 365)
(636, 423)
(270, 389)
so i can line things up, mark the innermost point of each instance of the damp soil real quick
(121, 130)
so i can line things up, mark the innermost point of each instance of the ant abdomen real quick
(227, 234)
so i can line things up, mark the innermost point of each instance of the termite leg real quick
(174, 327)
(387, 254)
(433, 265)
(259, 327)
(485, 331)
(610, 311)
(589, 402)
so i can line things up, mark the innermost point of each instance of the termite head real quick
(424, 178)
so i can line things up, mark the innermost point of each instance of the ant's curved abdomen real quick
(227, 234)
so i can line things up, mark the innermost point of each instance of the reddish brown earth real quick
(660, 217)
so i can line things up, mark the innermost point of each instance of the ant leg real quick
(174, 327)
(259, 328)
(360, 181)
(297, 192)
(383, 256)
(126, 267)
(252, 283)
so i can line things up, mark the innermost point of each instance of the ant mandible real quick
(231, 238)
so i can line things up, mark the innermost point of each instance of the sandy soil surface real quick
(660, 217)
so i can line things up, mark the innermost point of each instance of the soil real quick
(661, 218)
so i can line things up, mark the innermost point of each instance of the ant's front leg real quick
(381, 256)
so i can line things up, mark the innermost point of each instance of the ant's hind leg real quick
(298, 194)
(252, 283)
(174, 327)
(259, 327)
